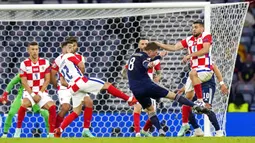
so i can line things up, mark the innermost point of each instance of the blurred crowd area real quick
(242, 94)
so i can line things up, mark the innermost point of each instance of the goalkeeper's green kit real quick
(17, 103)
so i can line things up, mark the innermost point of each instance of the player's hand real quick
(224, 89)
(4, 99)
(151, 65)
(156, 79)
(162, 54)
(37, 98)
(186, 58)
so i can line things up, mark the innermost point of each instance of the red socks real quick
(185, 113)
(21, 115)
(137, 122)
(87, 116)
(52, 118)
(68, 120)
(59, 121)
(147, 125)
(117, 93)
(198, 91)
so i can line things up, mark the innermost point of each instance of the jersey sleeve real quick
(83, 59)
(207, 38)
(13, 82)
(184, 43)
(157, 67)
(54, 66)
(48, 67)
(22, 71)
(74, 59)
(145, 61)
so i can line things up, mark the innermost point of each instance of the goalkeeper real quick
(16, 105)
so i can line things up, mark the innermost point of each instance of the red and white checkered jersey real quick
(152, 70)
(195, 44)
(68, 68)
(56, 64)
(35, 72)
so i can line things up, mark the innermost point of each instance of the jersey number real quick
(65, 72)
(131, 64)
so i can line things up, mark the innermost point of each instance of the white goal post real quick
(108, 34)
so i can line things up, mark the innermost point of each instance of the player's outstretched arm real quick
(218, 74)
(9, 87)
(168, 47)
(81, 66)
(12, 83)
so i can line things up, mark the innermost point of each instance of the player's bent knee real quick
(88, 102)
(137, 108)
(150, 109)
(171, 95)
(189, 95)
(77, 109)
(26, 103)
(193, 73)
(106, 85)
(65, 107)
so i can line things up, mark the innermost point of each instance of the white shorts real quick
(64, 96)
(202, 75)
(44, 98)
(83, 86)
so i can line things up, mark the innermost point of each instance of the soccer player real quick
(144, 88)
(35, 77)
(131, 101)
(208, 94)
(16, 105)
(137, 107)
(72, 70)
(198, 46)
(65, 96)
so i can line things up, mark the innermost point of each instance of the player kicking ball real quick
(72, 70)
(144, 88)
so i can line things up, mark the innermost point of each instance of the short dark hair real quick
(151, 46)
(66, 43)
(63, 44)
(72, 39)
(201, 22)
(32, 44)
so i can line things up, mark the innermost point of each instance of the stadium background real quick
(50, 34)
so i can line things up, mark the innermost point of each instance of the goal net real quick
(108, 34)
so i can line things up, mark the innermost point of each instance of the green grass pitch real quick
(133, 140)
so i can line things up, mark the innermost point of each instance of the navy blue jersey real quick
(138, 70)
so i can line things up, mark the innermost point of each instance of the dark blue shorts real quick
(147, 91)
(208, 93)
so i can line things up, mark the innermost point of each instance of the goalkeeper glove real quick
(4, 99)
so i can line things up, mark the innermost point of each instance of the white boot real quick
(17, 133)
(137, 135)
(198, 133)
(219, 133)
(4, 136)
